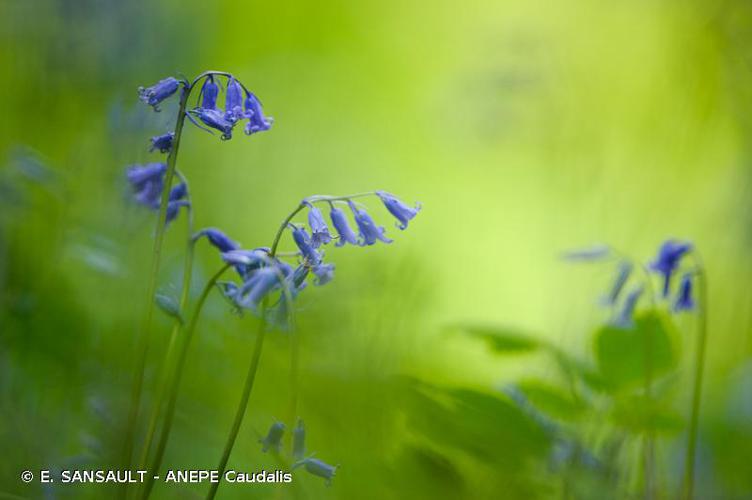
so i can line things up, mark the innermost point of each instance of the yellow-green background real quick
(523, 128)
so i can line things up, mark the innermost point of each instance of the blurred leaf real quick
(621, 353)
(638, 414)
(428, 473)
(169, 306)
(552, 400)
(502, 340)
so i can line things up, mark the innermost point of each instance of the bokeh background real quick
(523, 128)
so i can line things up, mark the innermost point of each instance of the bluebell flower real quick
(209, 93)
(298, 441)
(319, 230)
(668, 259)
(339, 221)
(622, 276)
(303, 241)
(260, 283)
(369, 231)
(399, 210)
(324, 273)
(218, 239)
(158, 92)
(257, 122)
(147, 182)
(173, 209)
(215, 119)
(684, 299)
(176, 200)
(233, 101)
(273, 439)
(162, 142)
(254, 258)
(624, 319)
(318, 468)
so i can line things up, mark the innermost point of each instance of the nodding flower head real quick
(324, 273)
(215, 119)
(273, 439)
(257, 122)
(298, 441)
(369, 231)
(218, 239)
(622, 276)
(303, 241)
(684, 299)
(163, 142)
(158, 92)
(319, 230)
(399, 210)
(147, 182)
(246, 261)
(667, 260)
(318, 468)
(339, 221)
(624, 319)
(209, 93)
(176, 200)
(233, 101)
(258, 286)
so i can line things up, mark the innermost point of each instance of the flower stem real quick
(252, 369)
(144, 340)
(175, 383)
(702, 333)
(166, 368)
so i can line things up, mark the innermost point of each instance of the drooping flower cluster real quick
(314, 466)
(667, 263)
(264, 275)
(240, 104)
(148, 180)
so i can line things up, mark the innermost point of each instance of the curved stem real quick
(282, 227)
(702, 333)
(175, 383)
(166, 369)
(243, 405)
(145, 336)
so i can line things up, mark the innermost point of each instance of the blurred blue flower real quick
(622, 276)
(215, 119)
(162, 142)
(158, 92)
(298, 441)
(218, 239)
(303, 241)
(399, 210)
(318, 468)
(273, 439)
(684, 299)
(176, 200)
(209, 93)
(667, 260)
(324, 273)
(595, 252)
(319, 230)
(369, 231)
(257, 286)
(624, 319)
(257, 122)
(339, 221)
(233, 101)
(147, 182)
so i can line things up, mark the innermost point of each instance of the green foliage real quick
(502, 340)
(625, 355)
(552, 400)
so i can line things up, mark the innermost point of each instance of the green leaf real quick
(639, 414)
(169, 306)
(551, 400)
(502, 340)
(624, 354)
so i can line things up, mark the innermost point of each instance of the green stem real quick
(166, 368)
(145, 337)
(649, 448)
(175, 383)
(243, 405)
(251, 376)
(689, 472)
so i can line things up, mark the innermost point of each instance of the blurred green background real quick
(523, 128)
